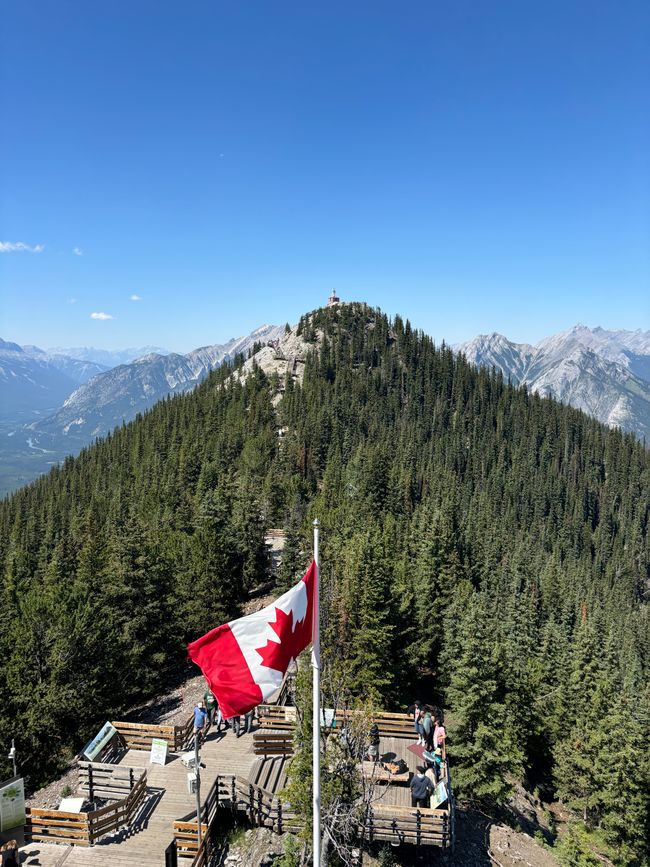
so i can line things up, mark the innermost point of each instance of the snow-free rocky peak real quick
(117, 395)
(605, 373)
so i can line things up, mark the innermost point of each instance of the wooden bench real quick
(378, 773)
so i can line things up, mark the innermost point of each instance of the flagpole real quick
(315, 664)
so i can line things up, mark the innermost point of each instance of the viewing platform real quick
(167, 800)
(150, 814)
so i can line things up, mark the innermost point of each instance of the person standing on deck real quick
(200, 720)
(427, 729)
(421, 787)
(220, 720)
(210, 706)
(248, 721)
(439, 733)
(415, 710)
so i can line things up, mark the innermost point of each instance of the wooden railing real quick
(184, 735)
(138, 736)
(222, 793)
(415, 825)
(397, 725)
(264, 808)
(84, 829)
(96, 780)
(271, 743)
(272, 716)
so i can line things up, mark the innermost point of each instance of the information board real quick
(327, 718)
(158, 752)
(12, 804)
(94, 747)
(439, 796)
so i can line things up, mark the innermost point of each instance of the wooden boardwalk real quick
(168, 800)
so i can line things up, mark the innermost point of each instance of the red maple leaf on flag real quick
(292, 641)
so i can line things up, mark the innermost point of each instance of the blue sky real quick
(475, 166)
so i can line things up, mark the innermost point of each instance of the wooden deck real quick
(168, 800)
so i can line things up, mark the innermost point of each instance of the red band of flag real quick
(245, 660)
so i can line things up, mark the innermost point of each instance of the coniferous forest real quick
(481, 540)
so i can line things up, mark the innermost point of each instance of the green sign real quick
(12, 804)
(94, 747)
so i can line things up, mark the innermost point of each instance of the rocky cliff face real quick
(604, 373)
(117, 395)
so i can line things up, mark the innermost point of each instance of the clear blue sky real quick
(474, 166)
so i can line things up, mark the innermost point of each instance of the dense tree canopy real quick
(490, 538)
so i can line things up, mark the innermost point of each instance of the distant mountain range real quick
(109, 357)
(117, 395)
(52, 404)
(604, 373)
(32, 379)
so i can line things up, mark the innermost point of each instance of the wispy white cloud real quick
(77, 251)
(20, 247)
(101, 316)
(136, 298)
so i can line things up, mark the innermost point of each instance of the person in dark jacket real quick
(421, 788)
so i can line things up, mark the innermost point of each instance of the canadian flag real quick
(245, 660)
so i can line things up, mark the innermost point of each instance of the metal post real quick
(315, 664)
(197, 771)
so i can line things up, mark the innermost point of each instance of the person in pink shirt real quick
(439, 734)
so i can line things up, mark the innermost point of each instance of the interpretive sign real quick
(439, 796)
(12, 804)
(158, 752)
(94, 747)
(327, 718)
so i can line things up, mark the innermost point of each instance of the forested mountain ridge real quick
(470, 529)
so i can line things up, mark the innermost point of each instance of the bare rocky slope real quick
(604, 373)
